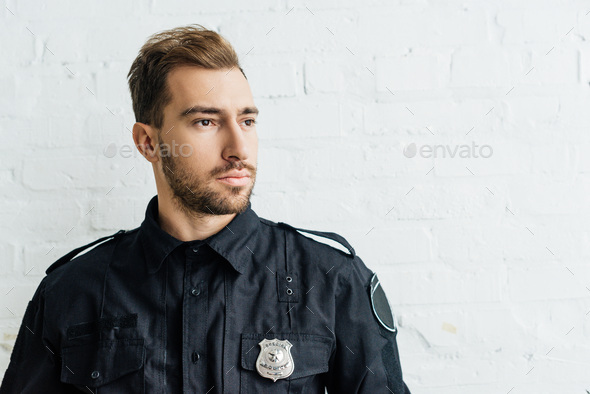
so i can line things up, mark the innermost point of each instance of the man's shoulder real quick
(325, 256)
(324, 241)
(94, 254)
(327, 251)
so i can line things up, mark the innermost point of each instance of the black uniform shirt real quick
(146, 312)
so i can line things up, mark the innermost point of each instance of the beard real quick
(195, 197)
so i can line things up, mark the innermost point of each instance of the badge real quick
(380, 305)
(275, 360)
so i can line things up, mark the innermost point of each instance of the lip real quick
(236, 174)
(235, 181)
(236, 178)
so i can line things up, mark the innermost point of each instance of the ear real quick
(146, 141)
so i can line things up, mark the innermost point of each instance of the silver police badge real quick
(275, 360)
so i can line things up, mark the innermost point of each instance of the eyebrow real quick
(197, 109)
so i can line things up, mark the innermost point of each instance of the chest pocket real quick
(109, 366)
(310, 353)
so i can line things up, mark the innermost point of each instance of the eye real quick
(250, 122)
(203, 122)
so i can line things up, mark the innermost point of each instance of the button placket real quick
(195, 311)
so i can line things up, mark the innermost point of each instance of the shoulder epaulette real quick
(70, 255)
(333, 236)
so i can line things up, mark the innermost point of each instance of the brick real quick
(8, 255)
(337, 75)
(273, 80)
(287, 119)
(413, 71)
(486, 66)
(543, 283)
(441, 286)
(397, 245)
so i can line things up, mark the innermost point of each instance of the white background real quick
(484, 259)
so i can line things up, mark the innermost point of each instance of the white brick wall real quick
(484, 260)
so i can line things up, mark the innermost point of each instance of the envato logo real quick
(166, 150)
(462, 151)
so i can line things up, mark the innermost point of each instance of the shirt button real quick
(95, 374)
(196, 291)
(196, 356)
(289, 279)
(195, 250)
(289, 292)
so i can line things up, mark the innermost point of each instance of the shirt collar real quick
(234, 242)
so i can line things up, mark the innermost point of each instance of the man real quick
(204, 296)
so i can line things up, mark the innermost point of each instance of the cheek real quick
(189, 152)
(196, 149)
(197, 158)
(193, 156)
(255, 152)
(253, 142)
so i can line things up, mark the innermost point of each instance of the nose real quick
(235, 148)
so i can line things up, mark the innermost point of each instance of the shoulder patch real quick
(70, 255)
(333, 236)
(380, 305)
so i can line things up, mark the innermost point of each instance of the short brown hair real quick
(187, 45)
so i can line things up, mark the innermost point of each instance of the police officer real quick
(204, 296)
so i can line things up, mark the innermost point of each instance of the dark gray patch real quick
(380, 305)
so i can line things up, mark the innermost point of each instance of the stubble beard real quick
(196, 198)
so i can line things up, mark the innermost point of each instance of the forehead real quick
(225, 88)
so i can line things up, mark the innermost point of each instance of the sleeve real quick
(366, 359)
(34, 366)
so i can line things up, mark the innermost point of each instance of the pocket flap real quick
(311, 353)
(101, 362)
